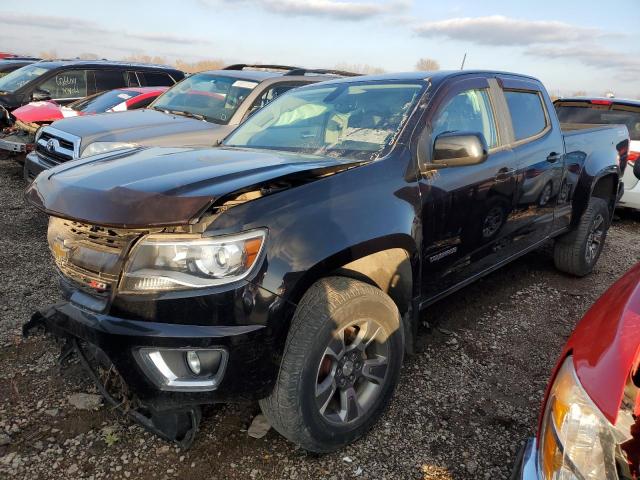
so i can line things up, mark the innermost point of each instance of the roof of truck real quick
(431, 75)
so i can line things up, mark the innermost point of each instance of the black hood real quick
(161, 186)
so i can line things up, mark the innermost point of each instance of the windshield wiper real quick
(188, 114)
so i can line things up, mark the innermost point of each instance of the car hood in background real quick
(162, 186)
(135, 126)
(606, 343)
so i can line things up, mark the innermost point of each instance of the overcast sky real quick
(571, 45)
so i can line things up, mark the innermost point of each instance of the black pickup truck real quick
(292, 264)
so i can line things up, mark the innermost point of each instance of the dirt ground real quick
(464, 406)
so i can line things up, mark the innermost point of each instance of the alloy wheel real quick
(352, 371)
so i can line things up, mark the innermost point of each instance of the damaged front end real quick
(18, 139)
(179, 424)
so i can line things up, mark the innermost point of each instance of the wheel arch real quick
(390, 263)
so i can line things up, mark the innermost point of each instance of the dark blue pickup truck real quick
(291, 265)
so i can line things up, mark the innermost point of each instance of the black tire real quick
(328, 309)
(575, 252)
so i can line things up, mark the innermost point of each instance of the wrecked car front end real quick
(172, 350)
(156, 302)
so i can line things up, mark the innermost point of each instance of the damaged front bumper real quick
(109, 349)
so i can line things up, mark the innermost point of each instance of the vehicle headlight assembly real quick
(576, 440)
(96, 148)
(163, 262)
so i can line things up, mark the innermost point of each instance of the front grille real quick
(91, 256)
(55, 147)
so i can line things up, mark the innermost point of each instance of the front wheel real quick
(578, 251)
(340, 365)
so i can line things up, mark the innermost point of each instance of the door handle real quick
(553, 157)
(505, 174)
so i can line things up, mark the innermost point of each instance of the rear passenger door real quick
(539, 149)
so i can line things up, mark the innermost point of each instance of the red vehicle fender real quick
(34, 112)
(605, 345)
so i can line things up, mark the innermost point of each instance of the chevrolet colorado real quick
(291, 264)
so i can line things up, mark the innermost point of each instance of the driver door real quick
(467, 211)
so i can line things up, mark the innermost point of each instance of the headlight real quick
(97, 148)
(177, 262)
(576, 441)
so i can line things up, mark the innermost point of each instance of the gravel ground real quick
(464, 406)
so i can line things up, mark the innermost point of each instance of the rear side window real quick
(132, 80)
(527, 113)
(157, 79)
(109, 79)
(66, 84)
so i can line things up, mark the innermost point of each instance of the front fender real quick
(326, 223)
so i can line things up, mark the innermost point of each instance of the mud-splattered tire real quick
(578, 251)
(340, 366)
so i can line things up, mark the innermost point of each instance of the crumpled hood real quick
(160, 186)
(606, 343)
(133, 126)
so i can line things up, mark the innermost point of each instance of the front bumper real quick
(13, 147)
(526, 467)
(248, 372)
(34, 164)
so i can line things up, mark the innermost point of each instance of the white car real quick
(610, 111)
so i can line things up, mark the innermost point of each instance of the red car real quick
(590, 424)
(19, 138)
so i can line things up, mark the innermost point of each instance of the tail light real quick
(632, 157)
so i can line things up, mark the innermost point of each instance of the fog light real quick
(194, 362)
(183, 369)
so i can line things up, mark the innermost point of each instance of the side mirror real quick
(456, 149)
(40, 95)
(636, 169)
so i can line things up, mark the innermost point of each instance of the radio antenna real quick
(463, 60)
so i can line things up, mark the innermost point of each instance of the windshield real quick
(351, 120)
(20, 77)
(102, 102)
(214, 98)
(584, 112)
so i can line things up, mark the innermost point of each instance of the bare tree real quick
(48, 55)
(89, 56)
(202, 65)
(360, 68)
(427, 65)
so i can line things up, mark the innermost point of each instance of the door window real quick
(66, 84)
(156, 79)
(527, 113)
(468, 111)
(109, 79)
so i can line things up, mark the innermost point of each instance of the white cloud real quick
(625, 65)
(335, 9)
(501, 30)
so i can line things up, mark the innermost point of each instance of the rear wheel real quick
(578, 251)
(340, 366)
